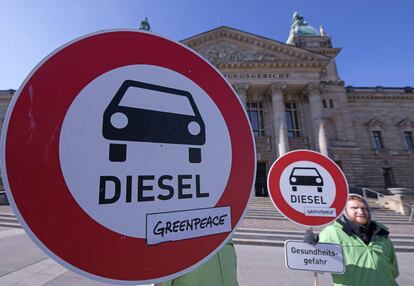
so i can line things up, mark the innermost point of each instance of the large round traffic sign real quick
(127, 157)
(307, 187)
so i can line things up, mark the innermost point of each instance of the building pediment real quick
(224, 51)
(226, 45)
(406, 124)
(375, 123)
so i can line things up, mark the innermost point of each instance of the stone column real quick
(278, 110)
(241, 89)
(318, 123)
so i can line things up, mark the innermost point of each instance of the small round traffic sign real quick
(307, 187)
(127, 157)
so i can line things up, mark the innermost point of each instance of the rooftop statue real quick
(298, 20)
(322, 31)
(145, 25)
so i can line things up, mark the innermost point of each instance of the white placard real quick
(321, 257)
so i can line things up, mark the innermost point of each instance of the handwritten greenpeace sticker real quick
(174, 226)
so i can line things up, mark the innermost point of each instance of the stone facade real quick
(389, 111)
(295, 92)
(333, 119)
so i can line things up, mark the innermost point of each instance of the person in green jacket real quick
(219, 270)
(368, 252)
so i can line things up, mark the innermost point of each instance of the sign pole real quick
(315, 274)
(316, 280)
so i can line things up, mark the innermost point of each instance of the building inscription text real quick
(257, 75)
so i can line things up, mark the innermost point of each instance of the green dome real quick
(305, 31)
(299, 27)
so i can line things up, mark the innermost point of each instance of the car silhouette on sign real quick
(144, 112)
(303, 176)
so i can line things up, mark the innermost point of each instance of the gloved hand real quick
(310, 237)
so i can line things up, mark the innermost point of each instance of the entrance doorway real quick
(261, 181)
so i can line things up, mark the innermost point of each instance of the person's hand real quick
(311, 237)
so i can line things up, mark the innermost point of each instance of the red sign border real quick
(338, 176)
(34, 181)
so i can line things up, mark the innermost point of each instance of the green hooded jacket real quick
(220, 270)
(373, 264)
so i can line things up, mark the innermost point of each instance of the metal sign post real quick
(316, 280)
(315, 274)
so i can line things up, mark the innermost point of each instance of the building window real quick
(377, 140)
(324, 103)
(388, 177)
(255, 112)
(408, 138)
(261, 181)
(292, 119)
(331, 104)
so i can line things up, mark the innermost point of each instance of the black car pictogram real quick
(123, 121)
(303, 176)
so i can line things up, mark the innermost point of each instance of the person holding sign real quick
(369, 253)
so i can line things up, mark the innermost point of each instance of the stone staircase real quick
(277, 237)
(262, 210)
(9, 220)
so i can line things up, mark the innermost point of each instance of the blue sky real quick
(377, 37)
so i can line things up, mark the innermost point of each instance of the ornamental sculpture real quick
(224, 52)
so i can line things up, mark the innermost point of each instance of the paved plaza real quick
(22, 263)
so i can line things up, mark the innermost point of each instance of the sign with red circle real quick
(307, 187)
(127, 157)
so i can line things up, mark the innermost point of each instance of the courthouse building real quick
(295, 99)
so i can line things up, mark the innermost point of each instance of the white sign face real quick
(322, 257)
(308, 188)
(144, 175)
